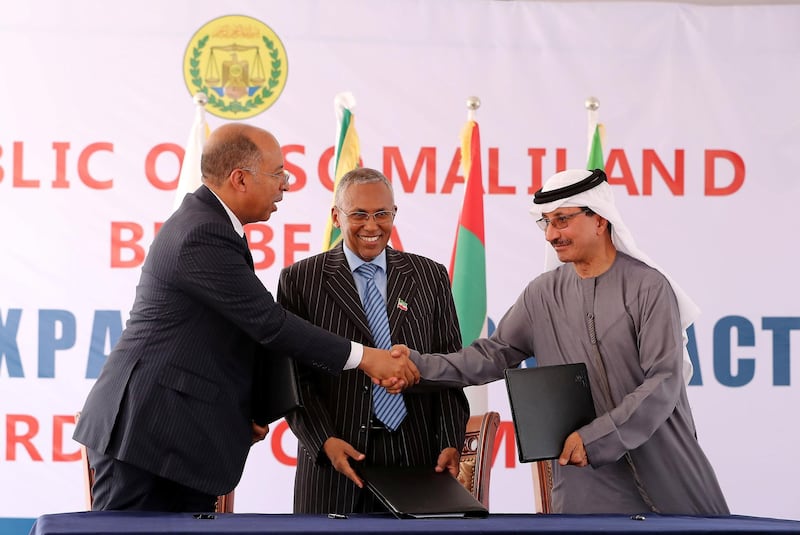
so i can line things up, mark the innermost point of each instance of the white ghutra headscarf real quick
(578, 188)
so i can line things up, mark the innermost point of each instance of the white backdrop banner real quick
(699, 105)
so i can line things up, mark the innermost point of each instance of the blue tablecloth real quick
(93, 523)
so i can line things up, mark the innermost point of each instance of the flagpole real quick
(477, 396)
(592, 105)
(473, 103)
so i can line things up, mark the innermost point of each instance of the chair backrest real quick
(224, 503)
(87, 471)
(542, 474)
(476, 455)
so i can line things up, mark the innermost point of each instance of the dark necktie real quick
(388, 408)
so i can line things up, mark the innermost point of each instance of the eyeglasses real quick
(283, 176)
(562, 221)
(381, 216)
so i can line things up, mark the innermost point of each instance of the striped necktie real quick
(388, 408)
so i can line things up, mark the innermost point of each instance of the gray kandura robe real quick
(639, 337)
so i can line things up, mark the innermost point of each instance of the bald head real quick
(231, 146)
(243, 165)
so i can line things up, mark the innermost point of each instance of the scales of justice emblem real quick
(239, 63)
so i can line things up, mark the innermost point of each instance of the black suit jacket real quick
(322, 290)
(174, 396)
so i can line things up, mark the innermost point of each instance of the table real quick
(120, 522)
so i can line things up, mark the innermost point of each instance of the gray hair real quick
(359, 175)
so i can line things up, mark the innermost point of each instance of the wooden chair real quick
(476, 455)
(542, 474)
(87, 471)
(224, 503)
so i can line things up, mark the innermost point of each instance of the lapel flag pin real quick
(402, 305)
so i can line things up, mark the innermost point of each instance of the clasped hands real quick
(392, 369)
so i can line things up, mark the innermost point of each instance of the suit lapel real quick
(401, 287)
(248, 254)
(339, 285)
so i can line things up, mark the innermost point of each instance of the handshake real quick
(392, 369)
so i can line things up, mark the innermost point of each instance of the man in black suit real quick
(168, 422)
(339, 424)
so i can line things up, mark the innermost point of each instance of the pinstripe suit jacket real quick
(322, 290)
(174, 396)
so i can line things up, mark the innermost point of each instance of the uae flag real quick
(468, 263)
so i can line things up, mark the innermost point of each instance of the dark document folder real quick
(276, 390)
(421, 492)
(547, 404)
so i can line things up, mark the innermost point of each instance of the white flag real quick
(190, 177)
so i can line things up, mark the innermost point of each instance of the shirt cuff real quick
(356, 354)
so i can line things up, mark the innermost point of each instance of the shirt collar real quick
(354, 261)
(237, 225)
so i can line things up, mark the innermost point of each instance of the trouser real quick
(121, 486)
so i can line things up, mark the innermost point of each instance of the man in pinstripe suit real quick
(167, 424)
(337, 425)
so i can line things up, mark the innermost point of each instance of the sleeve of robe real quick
(485, 359)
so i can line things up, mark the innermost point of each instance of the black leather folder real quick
(421, 492)
(276, 389)
(547, 404)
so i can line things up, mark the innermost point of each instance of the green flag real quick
(347, 156)
(596, 151)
